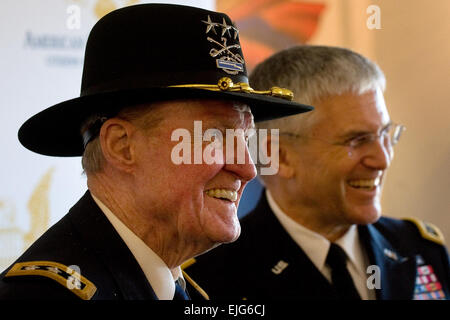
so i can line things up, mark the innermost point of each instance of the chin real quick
(227, 235)
(231, 237)
(366, 216)
(235, 237)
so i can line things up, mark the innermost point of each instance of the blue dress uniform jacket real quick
(266, 263)
(81, 256)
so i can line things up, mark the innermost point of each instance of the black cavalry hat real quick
(153, 52)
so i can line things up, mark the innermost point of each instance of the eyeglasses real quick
(389, 136)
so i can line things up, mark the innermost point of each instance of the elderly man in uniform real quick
(317, 233)
(149, 71)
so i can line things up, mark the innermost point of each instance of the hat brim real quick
(55, 131)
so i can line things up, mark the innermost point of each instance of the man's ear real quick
(285, 170)
(116, 143)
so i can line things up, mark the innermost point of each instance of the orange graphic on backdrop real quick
(268, 26)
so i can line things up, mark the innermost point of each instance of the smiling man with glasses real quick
(317, 232)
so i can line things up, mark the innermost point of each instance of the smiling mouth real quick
(223, 194)
(365, 183)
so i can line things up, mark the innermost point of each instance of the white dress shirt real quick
(316, 248)
(156, 271)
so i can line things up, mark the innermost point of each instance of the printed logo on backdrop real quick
(64, 47)
(13, 239)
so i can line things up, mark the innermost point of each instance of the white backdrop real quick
(41, 57)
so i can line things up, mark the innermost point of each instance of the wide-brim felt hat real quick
(153, 52)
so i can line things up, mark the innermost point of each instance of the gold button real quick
(225, 83)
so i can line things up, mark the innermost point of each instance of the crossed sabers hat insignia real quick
(214, 52)
(225, 28)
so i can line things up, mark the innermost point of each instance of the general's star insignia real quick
(225, 27)
(211, 25)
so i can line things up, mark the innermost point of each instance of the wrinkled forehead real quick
(221, 113)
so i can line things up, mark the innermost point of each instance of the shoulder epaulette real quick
(194, 284)
(428, 230)
(188, 263)
(62, 274)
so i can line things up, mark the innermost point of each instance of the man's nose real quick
(240, 162)
(379, 155)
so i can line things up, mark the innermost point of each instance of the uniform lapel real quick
(100, 236)
(397, 271)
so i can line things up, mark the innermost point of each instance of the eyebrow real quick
(355, 133)
(232, 124)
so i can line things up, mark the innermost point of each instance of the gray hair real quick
(93, 160)
(313, 73)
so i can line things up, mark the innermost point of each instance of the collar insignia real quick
(391, 254)
(279, 267)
